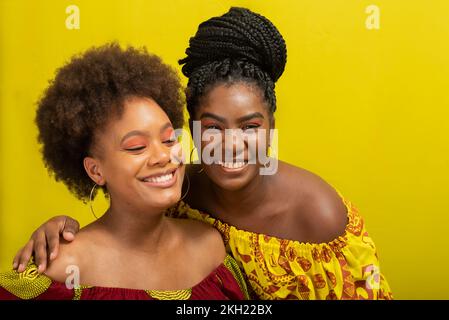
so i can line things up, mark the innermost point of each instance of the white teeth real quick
(160, 179)
(231, 165)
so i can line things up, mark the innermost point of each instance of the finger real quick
(40, 251)
(52, 229)
(25, 256)
(68, 236)
(53, 245)
(15, 261)
(71, 227)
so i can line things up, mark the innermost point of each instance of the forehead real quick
(233, 99)
(143, 110)
(137, 114)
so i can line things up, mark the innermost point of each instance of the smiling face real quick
(132, 157)
(234, 106)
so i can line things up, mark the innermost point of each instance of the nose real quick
(159, 155)
(234, 142)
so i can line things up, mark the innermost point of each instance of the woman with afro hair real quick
(107, 121)
(293, 235)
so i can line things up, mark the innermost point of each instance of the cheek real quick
(264, 140)
(123, 168)
(211, 137)
(257, 144)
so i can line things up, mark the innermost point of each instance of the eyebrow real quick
(251, 116)
(213, 116)
(144, 133)
(241, 119)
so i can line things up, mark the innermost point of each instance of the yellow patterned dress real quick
(345, 268)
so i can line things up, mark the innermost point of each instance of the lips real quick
(158, 179)
(232, 167)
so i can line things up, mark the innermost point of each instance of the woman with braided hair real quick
(292, 234)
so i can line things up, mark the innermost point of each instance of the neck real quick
(247, 199)
(135, 228)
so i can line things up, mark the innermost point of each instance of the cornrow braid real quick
(238, 46)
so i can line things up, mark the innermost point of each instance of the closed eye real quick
(170, 142)
(213, 127)
(135, 149)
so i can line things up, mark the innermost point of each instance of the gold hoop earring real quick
(188, 187)
(191, 153)
(91, 200)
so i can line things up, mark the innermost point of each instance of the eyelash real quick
(213, 127)
(135, 149)
(170, 141)
(251, 126)
(246, 127)
(143, 147)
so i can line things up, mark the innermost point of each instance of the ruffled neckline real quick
(353, 226)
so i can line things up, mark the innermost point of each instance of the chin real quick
(230, 185)
(165, 200)
(232, 182)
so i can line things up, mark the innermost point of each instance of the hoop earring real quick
(191, 153)
(90, 200)
(188, 187)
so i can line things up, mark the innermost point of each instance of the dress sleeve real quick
(233, 267)
(345, 268)
(29, 284)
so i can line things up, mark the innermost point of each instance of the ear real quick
(93, 169)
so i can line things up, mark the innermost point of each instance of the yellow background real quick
(365, 109)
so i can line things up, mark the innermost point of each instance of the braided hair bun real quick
(238, 34)
(239, 45)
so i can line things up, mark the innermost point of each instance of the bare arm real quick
(44, 242)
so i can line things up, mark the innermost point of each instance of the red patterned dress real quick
(224, 283)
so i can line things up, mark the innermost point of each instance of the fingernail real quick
(14, 265)
(21, 268)
(52, 255)
(40, 268)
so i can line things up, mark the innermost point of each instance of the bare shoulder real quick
(202, 240)
(321, 209)
(80, 254)
(69, 257)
